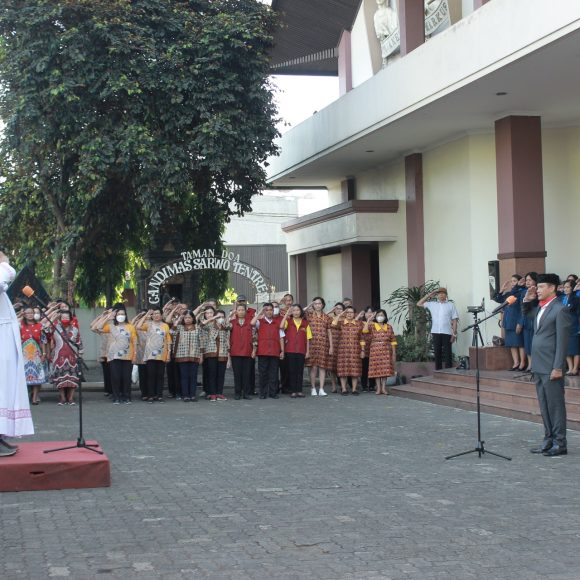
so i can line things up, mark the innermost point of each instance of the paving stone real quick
(330, 488)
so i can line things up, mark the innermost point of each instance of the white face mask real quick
(220, 320)
(36, 316)
(120, 318)
(276, 311)
(380, 318)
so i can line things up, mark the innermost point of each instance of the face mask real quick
(120, 318)
(380, 318)
(220, 320)
(276, 311)
(36, 316)
(65, 322)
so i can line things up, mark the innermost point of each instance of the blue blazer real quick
(512, 315)
(573, 305)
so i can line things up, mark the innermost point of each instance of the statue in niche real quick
(437, 18)
(387, 29)
(386, 19)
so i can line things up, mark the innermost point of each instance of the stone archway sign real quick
(205, 259)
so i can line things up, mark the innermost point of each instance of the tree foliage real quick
(127, 118)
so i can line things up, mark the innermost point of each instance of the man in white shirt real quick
(444, 319)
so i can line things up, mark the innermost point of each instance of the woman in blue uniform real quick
(513, 321)
(531, 280)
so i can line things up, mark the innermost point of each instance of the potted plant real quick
(414, 346)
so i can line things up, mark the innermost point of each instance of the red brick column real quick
(520, 195)
(411, 24)
(344, 64)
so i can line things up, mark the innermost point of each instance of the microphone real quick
(29, 293)
(509, 301)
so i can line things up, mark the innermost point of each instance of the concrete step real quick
(517, 389)
(498, 396)
(497, 378)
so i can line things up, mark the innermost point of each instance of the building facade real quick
(258, 239)
(459, 146)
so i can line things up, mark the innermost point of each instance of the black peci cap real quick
(553, 279)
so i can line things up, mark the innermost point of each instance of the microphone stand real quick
(480, 448)
(81, 443)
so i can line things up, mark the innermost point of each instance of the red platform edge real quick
(33, 470)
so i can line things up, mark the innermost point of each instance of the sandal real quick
(300, 395)
(293, 395)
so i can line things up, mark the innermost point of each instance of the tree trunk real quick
(70, 270)
(58, 286)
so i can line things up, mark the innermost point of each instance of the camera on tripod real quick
(477, 309)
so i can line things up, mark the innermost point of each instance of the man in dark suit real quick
(552, 325)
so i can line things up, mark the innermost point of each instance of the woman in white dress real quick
(15, 417)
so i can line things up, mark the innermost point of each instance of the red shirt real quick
(296, 339)
(269, 337)
(241, 338)
(28, 331)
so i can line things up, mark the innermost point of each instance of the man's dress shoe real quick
(556, 450)
(541, 449)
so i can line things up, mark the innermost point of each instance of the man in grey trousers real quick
(552, 325)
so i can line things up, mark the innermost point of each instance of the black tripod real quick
(479, 449)
(80, 439)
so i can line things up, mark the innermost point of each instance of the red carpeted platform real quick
(33, 470)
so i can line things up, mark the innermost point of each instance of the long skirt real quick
(513, 339)
(573, 345)
(15, 417)
(33, 365)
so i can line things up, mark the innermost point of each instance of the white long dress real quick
(15, 417)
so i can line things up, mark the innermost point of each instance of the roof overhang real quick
(307, 39)
(373, 125)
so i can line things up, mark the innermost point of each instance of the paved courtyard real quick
(332, 488)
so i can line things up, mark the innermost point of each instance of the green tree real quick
(122, 116)
(414, 344)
